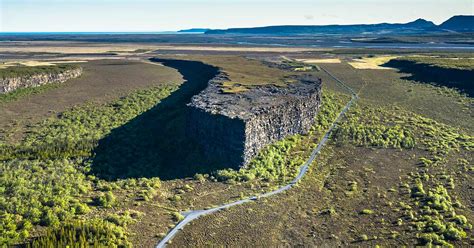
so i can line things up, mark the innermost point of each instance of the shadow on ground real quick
(155, 143)
(449, 77)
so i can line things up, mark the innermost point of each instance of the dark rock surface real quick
(234, 127)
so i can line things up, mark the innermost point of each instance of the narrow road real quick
(194, 214)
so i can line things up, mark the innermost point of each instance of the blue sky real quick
(166, 15)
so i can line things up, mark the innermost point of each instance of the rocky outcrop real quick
(12, 83)
(234, 127)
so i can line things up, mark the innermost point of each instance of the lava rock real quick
(235, 127)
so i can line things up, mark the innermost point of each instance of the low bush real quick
(177, 216)
(105, 200)
(366, 211)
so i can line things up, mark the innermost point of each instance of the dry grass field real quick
(372, 62)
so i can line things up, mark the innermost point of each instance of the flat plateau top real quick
(245, 105)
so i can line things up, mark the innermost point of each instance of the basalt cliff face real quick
(12, 83)
(234, 127)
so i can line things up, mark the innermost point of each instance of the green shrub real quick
(353, 186)
(200, 177)
(105, 199)
(121, 219)
(177, 216)
(417, 190)
(81, 208)
(50, 219)
(9, 228)
(175, 198)
(460, 219)
(147, 194)
(429, 238)
(435, 226)
(453, 233)
(366, 211)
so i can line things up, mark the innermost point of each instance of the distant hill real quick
(418, 26)
(194, 30)
(459, 23)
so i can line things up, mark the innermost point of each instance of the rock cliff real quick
(234, 127)
(12, 83)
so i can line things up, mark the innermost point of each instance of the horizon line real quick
(177, 31)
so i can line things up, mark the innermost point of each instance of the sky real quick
(170, 15)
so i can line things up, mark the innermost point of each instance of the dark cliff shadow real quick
(155, 142)
(424, 73)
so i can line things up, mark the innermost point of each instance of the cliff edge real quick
(234, 127)
(11, 83)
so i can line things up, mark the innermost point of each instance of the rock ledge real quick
(234, 127)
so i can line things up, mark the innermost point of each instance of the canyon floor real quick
(359, 192)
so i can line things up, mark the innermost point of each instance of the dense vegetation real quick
(371, 132)
(22, 71)
(44, 179)
(90, 233)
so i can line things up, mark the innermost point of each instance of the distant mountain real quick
(194, 30)
(418, 26)
(459, 23)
